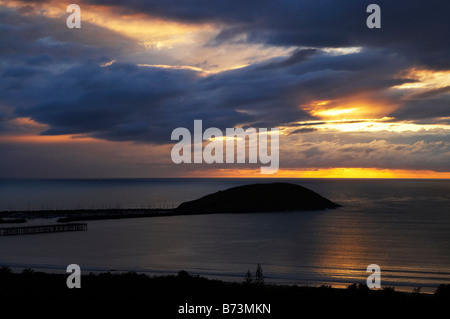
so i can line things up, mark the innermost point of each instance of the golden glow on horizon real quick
(355, 172)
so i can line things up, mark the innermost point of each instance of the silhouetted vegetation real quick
(417, 290)
(34, 285)
(358, 286)
(259, 277)
(248, 278)
(5, 271)
(389, 290)
(443, 291)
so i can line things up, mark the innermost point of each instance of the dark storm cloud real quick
(426, 111)
(417, 29)
(303, 130)
(130, 103)
(432, 93)
(53, 75)
(75, 95)
(34, 50)
(125, 102)
(37, 40)
(428, 107)
(297, 56)
(195, 11)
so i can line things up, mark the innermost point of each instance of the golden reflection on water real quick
(347, 256)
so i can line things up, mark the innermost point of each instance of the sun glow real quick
(349, 108)
(333, 112)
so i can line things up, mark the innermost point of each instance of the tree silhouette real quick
(248, 278)
(259, 277)
(443, 291)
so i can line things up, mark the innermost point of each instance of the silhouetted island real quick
(271, 197)
(274, 197)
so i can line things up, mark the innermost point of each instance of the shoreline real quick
(137, 286)
(226, 277)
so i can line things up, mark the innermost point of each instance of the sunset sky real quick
(101, 101)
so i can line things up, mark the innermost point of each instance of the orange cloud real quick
(46, 139)
(424, 79)
(149, 31)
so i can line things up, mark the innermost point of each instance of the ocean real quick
(401, 225)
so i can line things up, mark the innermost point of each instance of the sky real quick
(101, 101)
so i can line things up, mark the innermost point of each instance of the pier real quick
(27, 230)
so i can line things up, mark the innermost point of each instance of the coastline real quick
(186, 287)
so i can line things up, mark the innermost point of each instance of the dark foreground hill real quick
(258, 198)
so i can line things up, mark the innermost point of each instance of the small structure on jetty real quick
(26, 230)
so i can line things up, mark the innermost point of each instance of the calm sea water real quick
(401, 225)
